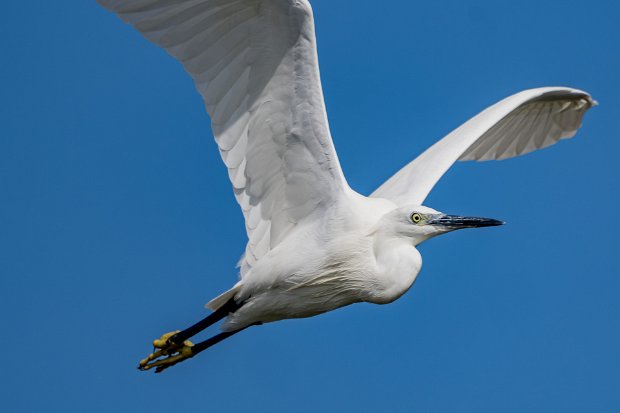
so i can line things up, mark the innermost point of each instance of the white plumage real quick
(521, 123)
(314, 244)
(255, 65)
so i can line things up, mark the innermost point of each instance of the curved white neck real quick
(398, 264)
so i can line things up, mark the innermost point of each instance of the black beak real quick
(457, 222)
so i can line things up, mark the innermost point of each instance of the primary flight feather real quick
(314, 244)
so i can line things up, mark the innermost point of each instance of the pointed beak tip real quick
(458, 222)
(490, 223)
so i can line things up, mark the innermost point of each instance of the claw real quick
(169, 352)
(163, 342)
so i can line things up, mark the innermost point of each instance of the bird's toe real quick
(166, 353)
(164, 342)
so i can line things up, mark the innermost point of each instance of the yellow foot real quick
(166, 354)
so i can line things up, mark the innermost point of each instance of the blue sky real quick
(118, 222)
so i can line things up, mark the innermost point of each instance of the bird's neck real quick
(398, 263)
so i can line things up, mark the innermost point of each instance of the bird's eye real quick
(416, 218)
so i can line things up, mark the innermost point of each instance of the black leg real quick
(199, 347)
(230, 307)
(172, 348)
(202, 346)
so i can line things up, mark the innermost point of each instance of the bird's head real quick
(421, 223)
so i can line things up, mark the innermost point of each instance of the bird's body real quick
(315, 244)
(344, 258)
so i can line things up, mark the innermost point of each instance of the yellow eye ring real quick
(416, 218)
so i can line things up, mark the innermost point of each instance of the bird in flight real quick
(314, 244)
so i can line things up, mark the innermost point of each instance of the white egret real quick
(314, 244)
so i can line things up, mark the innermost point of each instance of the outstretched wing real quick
(522, 123)
(255, 64)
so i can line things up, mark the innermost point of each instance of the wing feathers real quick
(519, 124)
(532, 126)
(255, 64)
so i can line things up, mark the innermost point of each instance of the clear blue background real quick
(117, 222)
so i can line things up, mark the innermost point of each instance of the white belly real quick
(350, 271)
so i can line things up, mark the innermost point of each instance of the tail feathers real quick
(223, 298)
